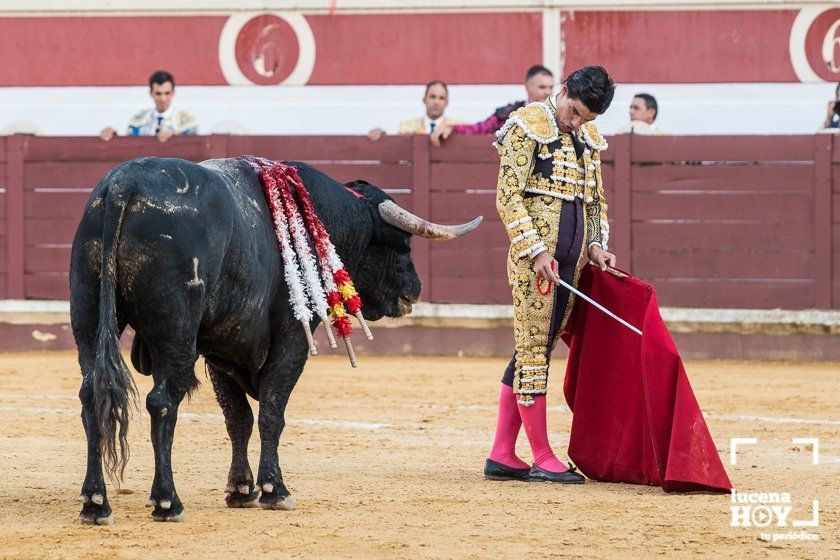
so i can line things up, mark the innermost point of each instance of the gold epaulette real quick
(139, 117)
(536, 120)
(183, 118)
(593, 138)
(411, 126)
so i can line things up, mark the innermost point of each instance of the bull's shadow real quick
(187, 255)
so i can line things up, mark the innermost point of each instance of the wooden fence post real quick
(217, 146)
(421, 204)
(15, 239)
(620, 210)
(822, 220)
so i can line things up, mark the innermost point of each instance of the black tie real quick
(159, 122)
(432, 127)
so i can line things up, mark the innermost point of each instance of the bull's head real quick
(387, 280)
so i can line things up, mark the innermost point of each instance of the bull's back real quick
(191, 251)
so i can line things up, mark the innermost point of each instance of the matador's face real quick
(571, 113)
(162, 95)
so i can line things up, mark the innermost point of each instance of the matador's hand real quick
(545, 266)
(600, 257)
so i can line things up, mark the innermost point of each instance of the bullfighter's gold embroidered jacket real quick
(532, 222)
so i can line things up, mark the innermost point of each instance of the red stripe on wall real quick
(701, 46)
(418, 48)
(353, 49)
(118, 51)
(682, 46)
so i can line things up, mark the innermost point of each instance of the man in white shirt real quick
(643, 111)
(163, 120)
(435, 99)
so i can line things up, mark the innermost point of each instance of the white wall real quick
(684, 109)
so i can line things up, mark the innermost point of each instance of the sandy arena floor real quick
(385, 461)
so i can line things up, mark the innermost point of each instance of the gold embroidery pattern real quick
(537, 122)
(593, 137)
(533, 225)
(597, 226)
(532, 311)
(570, 177)
(516, 152)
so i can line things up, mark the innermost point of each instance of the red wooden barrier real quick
(463, 186)
(14, 218)
(711, 221)
(726, 221)
(4, 254)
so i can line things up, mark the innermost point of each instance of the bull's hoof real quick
(93, 520)
(275, 495)
(242, 500)
(286, 503)
(179, 518)
(241, 493)
(95, 510)
(273, 501)
(167, 510)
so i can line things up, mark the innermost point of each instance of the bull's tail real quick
(113, 387)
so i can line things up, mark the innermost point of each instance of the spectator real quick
(539, 82)
(163, 120)
(832, 117)
(643, 111)
(436, 100)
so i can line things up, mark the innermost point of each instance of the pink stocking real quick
(507, 428)
(533, 418)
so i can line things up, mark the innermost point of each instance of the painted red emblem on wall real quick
(822, 45)
(267, 49)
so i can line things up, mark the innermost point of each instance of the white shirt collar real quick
(166, 114)
(427, 122)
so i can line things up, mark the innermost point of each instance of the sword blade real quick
(599, 306)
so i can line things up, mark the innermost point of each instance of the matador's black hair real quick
(592, 86)
(161, 77)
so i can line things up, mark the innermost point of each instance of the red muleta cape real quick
(635, 416)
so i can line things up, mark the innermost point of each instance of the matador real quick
(550, 196)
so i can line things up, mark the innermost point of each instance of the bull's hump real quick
(226, 166)
(236, 175)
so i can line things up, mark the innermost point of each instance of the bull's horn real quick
(401, 218)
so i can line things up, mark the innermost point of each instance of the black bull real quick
(187, 255)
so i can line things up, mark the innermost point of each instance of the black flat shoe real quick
(497, 471)
(570, 476)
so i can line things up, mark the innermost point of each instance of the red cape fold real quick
(635, 417)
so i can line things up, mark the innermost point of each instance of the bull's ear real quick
(359, 187)
(370, 194)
